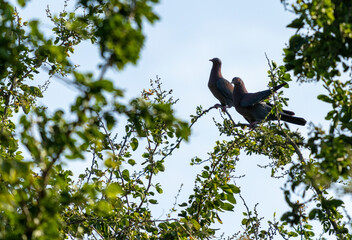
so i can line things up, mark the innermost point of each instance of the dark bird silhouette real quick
(219, 86)
(254, 110)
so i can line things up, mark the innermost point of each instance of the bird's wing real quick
(249, 99)
(226, 88)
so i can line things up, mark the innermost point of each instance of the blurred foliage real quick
(127, 145)
(321, 48)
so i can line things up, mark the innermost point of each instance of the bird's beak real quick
(210, 60)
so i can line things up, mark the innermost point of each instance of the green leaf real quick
(102, 84)
(131, 162)
(153, 201)
(195, 224)
(25, 106)
(234, 188)
(218, 218)
(292, 234)
(334, 202)
(331, 114)
(227, 206)
(244, 221)
(297, 23)
(160, 166)
(159, 189)
(134, 144)
(226, 188)
(296, 41)
(313, 213)
(113, 189)
(110, 120)
(231, 198)
(35, 91)
(126, 175)
(274, 64)
(287, 78)
(325, 98)
(22, 3)
(162, 226)
(205, 174)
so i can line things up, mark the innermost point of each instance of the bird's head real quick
(216, 61)
(237, 81)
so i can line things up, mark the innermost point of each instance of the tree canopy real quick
(39, 199)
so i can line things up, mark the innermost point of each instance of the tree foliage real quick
(112, 198)
(321, 51)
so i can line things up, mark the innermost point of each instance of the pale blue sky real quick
(178, 49)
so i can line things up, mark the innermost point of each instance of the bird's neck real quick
(216, 72)
(240, 90)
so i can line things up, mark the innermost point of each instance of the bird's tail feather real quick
(288, 112)
(292, 119)
(285, 111)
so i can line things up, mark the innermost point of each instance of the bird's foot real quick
(223, 107)
(217, 105)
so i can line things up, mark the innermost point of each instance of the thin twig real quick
(233, 122)
(176, 198)
(114, 154)
(150, 176)
(249, 215)
(91, 167)
(194, 120)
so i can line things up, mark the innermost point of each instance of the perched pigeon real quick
(254, 110)
(219, 86)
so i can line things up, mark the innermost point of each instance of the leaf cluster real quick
(321, 47)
